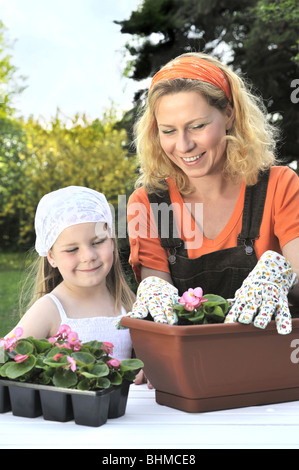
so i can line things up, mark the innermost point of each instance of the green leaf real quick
(215, 300)
(115, 378)
(41, 345)
(83, 358)
(94, 348)
(131, 364)
(56, 363)
(57, 350)
(103, 382)
(24, 347)
(99, 370)
(3, 369)
(198, 317)
(44, 379)
(64, 378)
(3, 356)
(217, 311)
(15, 369)
(129, 375)
(84, 384)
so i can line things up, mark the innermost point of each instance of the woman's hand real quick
(155, 296)
(264, 294)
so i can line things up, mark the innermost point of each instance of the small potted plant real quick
(62, 378)
(203, 364)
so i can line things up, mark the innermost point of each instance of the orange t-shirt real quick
(280, 223)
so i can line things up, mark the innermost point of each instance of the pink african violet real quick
(115, 363)
(9, 343)
(20, 358)
(108, 348)
(72, 363)
(192, 298)
(70, 337)
(64, 329)
(73, 341)
(57, 356)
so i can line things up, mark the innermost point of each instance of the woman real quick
(206, 149)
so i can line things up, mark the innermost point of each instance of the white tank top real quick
(99, 329)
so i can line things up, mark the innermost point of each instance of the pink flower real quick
(108, 348)
(9, 343)
(72, 363)
(192, 298)
(20, 358)
(189, 307)
(18, 332)
(113, 363)
(64, 330)
(73, 341)
(57, 356)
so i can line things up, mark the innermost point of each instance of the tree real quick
(10, 83)
(59, 154)
(257, 37)
(12, 137)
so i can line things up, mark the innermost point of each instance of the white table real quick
(147, 425)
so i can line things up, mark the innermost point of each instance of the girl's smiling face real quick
(192, 132)
(83, 253)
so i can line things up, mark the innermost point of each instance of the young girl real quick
(79, 280)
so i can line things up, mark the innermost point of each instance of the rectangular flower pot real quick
(118, 400)
(211, 367)
(4, 399)
(91, 408)
(88, 408)
(56, 405)
(25, 400)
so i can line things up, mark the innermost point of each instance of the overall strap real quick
(253, 210)
(254, 202)
(166, 225)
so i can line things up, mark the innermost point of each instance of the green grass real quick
(12, 274)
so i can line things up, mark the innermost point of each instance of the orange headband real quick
(196, 68)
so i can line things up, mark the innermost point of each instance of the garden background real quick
(258, 38)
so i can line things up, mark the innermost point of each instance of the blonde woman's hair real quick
(43, 278)
(250, 143)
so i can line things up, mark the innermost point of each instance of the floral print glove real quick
(155, 297)
(264, 294)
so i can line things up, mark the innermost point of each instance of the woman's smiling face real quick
(192, 132)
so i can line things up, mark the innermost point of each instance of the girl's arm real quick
(42, 320)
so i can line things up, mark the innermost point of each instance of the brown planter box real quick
(212, 367)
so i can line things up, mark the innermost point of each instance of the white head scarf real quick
(66, 207)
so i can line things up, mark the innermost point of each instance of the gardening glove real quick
(264, 294)
(155, 297)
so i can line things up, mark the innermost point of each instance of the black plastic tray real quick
(88, 408)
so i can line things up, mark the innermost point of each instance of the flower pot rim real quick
(198, 330)
(52, 388)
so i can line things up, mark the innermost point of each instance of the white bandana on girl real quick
(66, 207)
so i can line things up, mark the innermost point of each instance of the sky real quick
(70, 52)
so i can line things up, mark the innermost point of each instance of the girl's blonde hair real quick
(43, 278)
(250, 144)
